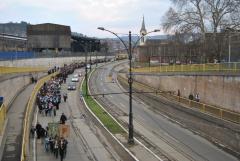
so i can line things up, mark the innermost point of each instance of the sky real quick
(84, 16)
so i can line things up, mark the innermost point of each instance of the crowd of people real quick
(49, 97)
(47, 101)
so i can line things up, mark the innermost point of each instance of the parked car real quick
(72, 86)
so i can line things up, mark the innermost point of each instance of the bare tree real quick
(188, 16)
(221, 12)
(201, 15)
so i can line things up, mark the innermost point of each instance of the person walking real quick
(63, 119)
(38, 130)
(61, 149)
(65, 97)
(56, 147)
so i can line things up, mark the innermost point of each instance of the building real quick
(12, 43)
(48, 36)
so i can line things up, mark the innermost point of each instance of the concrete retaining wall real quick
(223, 91)
(49, 62)
(9, 88)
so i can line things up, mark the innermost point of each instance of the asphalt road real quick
(85, 143)
(178, 142)
(12, 150)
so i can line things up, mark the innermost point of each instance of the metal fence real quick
(215, 67)
(12, 55)
(201, 107)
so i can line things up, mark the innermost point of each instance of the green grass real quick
(111, 124)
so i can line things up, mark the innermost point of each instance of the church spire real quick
(143, 26)
(143, 32)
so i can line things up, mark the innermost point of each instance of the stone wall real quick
(223, 91)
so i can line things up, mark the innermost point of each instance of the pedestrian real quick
(46, 143)
(38, 130)
(56, 147)
(51, 144)
(197, 98)
(54, 111)
(62, 148)
(65, 97)
(190, 96)
(63, 119)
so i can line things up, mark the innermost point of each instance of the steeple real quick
(143, 32)
(143, 26)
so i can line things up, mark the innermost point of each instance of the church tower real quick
(143, 32)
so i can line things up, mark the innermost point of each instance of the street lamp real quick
(129, 50)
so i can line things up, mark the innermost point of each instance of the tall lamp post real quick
(129, 50)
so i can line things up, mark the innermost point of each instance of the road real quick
(170, 138)
(85, 143)
(12, 149)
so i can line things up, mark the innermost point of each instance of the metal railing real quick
(211, 110)
(28, 113)
(219, 67)
(9, 70)
(2, 117)
(218, 112)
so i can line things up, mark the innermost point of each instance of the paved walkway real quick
(12, 150)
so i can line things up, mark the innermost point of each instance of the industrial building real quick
(48, 37)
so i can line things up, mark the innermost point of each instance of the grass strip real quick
(103, 116)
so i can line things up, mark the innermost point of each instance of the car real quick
(72, 86)
(88, 66)
(75, 78)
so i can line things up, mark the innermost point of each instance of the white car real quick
(75, 78)
(72, 86)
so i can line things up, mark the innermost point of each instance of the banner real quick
(64, 130)
(53, 129)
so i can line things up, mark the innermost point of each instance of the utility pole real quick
(130, 134)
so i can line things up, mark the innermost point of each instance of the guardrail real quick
(2, 117)
(204, 108)
(9, 70)
(220, 67)
(209, 109)
(28, 113)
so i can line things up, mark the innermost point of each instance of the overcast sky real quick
(84, 16)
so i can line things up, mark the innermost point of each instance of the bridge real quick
(167, 124)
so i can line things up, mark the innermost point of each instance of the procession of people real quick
(48, 100)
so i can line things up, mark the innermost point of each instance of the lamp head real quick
(101, 28)
(156, 30)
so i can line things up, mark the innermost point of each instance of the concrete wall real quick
(10, 87)
(47, 62)
(223, 91)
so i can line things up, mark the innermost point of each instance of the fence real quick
(204, 108)
(9, 70)
(28, 114)
(209, 109)
(11, 55)
(2, 117)
(233, 67)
